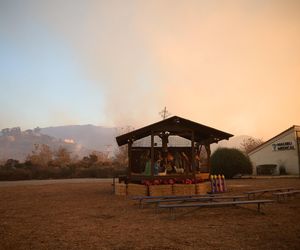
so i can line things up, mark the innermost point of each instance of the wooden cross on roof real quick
(164, 113)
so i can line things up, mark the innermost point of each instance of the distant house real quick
(280, 154)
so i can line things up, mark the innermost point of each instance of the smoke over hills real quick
(89, 136)
(80, 140)
(17, 144)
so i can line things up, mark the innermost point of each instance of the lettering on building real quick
(283, 146)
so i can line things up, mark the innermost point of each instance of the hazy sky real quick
(232, 65)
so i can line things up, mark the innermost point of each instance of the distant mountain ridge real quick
(19, 144)
(80, 140)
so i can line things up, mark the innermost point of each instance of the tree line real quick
(45, 163)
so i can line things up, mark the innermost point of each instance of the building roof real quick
(293, 128)
(176, 125)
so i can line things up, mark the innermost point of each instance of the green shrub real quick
(15, 174)
(230, 161)
(28, 170)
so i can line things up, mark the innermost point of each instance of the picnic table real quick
(285, 195)
(260, 192)
(172, 207)
(181, 200)
(142, 199)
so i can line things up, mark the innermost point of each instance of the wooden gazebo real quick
(159, 159)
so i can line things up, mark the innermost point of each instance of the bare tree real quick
(121, 156)
(62, 157)
(250, 143)
(41, 155)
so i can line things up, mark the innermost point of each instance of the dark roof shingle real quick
(177, 126)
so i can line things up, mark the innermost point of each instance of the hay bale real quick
(203, 187)
(137, 189)
(120, 189)
(203, 176)
(159, 190)
(184, 189)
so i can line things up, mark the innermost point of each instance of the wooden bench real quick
(142, 199)
(172, 207)
(285, 195)
(263, 191)
(207, 198)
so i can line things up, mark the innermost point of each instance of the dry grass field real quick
(88, 216)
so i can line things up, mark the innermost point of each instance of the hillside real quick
(89, 136)
(19, 145)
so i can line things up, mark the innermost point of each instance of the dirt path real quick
(87, 216)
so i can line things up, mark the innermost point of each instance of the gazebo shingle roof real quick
(176, 125)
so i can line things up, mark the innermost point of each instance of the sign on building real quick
(289, 145)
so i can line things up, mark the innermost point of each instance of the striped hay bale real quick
(136, 189)
(184, 189)
(120, 189)
(203, 188)
(159, 190)
(204, 176)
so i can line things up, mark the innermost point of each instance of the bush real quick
(13, 170)
(15, 174)
(98, 172)
(230, 161)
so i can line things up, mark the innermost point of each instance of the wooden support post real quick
(208, 152)
(129, 157)
(197, 157)
(193, 155)
(152, 153)
(200, 159)
(298, 149)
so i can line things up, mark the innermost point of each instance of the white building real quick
(282, 151)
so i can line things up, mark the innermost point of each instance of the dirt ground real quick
(88, 216)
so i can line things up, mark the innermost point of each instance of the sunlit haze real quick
(232, 65)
